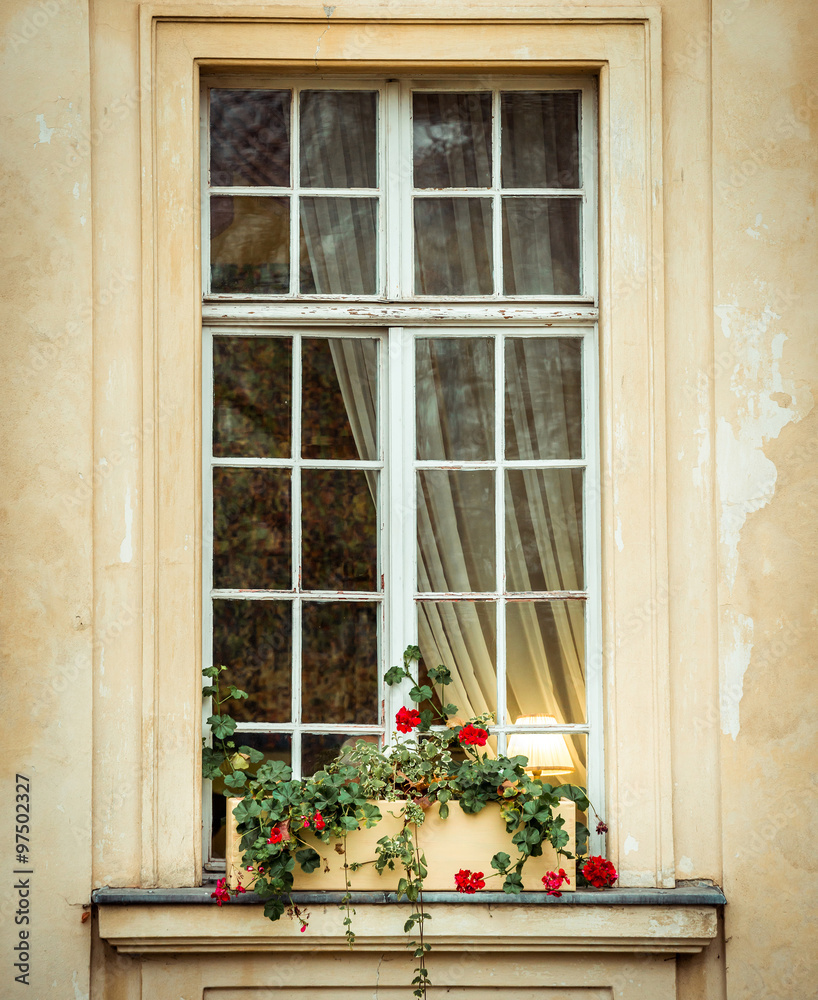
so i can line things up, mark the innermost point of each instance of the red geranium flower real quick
(553, 880)
(407, 719)
(472, 736)
(318, 821)
(469, 882)
(276, 835)
(599, 872)
(222, 893)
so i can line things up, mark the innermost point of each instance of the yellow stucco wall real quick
(740, 107)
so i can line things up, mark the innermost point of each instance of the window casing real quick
(400, 335)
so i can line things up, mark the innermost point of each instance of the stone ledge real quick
(154, 926)
(689, 895)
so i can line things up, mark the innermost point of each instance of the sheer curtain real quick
(543, 516)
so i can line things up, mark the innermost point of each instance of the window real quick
(423, 467)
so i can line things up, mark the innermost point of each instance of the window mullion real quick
(295, 509)
(295, 180)
(497, 221)
(500, 534)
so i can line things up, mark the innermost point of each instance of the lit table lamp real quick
(548, 753)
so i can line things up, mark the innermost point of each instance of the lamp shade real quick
(547, 753)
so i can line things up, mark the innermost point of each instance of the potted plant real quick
(435, 767)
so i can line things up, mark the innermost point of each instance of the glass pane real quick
(539, 140)
(339, 246)
(454, 385)
(545, 660)
(339, 665)
(541, 246)
(451, 137)
(453, 251)
(340, 539)
(461, 635)
(543, 397)
(456, 532)
(320, 749)
(544, 530)
(250, 244)
(251, 529)
(254, 640)
(339, 138)
(249, 138)
(339, 398)
(252, 396)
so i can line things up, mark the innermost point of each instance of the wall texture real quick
(740, 107)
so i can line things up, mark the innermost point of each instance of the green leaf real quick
(253, 755)
(450, 710)
(513, 884)
(209, 691)
(394, 675)
(427, 717)
(212, 761)
(308, 859)
(237, 692)
(235, 780)
(444, 810)
(274, 909)
(440, 675)
(575, 793)
(212, 671)
(500, 861)
(411, 653)
(421, 693)
(222, 726)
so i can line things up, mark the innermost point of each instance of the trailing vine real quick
(433, 759)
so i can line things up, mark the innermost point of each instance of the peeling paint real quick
(618, 534)
(736, 647)
(631, 844)
(45, 131)
(685, 865)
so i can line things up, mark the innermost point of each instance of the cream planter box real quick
(459, 841)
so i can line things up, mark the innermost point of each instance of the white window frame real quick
(398, 323)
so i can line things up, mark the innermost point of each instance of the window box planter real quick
(460, 841)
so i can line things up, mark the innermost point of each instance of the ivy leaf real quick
(513, 884)
(235, 780)
(440, 675)
(212, 671)
(450, 710)
(212, 761)
(237, 692)
(394, 675)
(253, 755)
(427, 717)
(411, 653)
(575, 794)
(222, 726)
(500, 861)
(274, 909)
(274, 771)
(209, 691)
(349, 822)
(420, 693)
(308, 859)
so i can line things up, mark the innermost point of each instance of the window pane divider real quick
(303, 463)
(250, 311)
(528, 595)
(292, 595)
(310, 727)
(535, 463)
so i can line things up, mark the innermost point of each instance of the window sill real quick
(681, 920)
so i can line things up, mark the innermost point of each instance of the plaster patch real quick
(45, 131)
(685, 865)
(631, 844)
(754, 233)
(126, 548)
(76, 191)
(735, 650)
(618, 534)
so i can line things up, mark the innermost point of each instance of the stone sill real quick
(699, 895)
(654, 921)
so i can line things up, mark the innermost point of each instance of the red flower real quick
(601, 827)
(472, 736)
(318, 820)
(276, 835)
(222, 893)
(553, 880)
(240, 888)
(407, 719)
(599, 872)
(469, 882)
